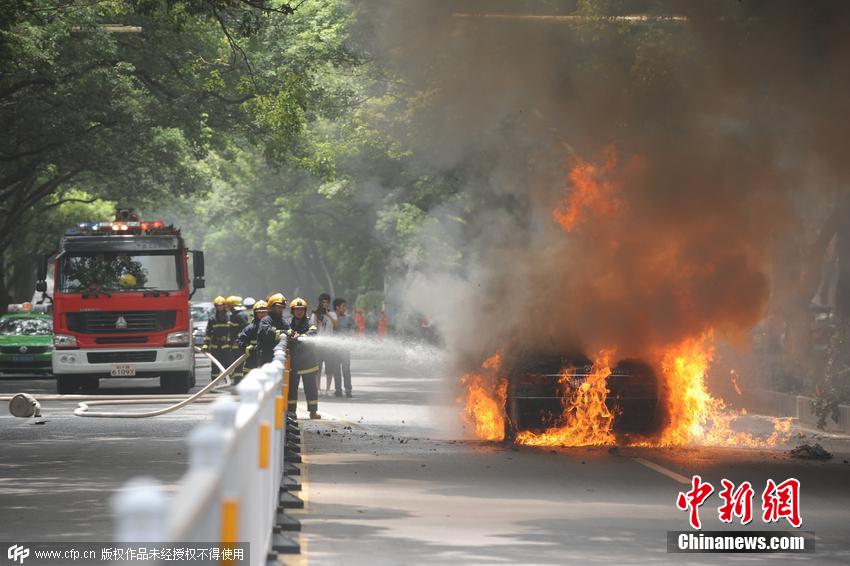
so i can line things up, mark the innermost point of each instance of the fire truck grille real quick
(121, 357)
(116, 322)
(121, 339)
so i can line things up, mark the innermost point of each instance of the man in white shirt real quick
(326, 322)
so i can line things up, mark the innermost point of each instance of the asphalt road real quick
(391, 478)
(57, 478)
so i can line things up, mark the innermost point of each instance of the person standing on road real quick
(271, 328)
(360, 322)
(342, 361)
(382, 323)
(237, 323)
(325, 321)
(304, 364)
(247, 341)
(217, 338)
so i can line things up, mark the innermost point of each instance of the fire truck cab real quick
(121, 304)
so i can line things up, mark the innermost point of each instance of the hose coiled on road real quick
(82, 409)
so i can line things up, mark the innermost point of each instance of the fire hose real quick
(26, 405)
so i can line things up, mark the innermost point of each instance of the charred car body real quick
(539, 384)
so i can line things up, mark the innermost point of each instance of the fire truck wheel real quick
(89, 383)
(177, 382)
(66, 384)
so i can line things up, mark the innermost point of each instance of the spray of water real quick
(412, 353)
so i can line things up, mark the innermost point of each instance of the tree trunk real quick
(842, 290)
(5, 299)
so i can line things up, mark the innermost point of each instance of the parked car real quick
(26, 340)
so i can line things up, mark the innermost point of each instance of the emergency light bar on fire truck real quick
(121, 228)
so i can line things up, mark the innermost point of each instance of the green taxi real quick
(26, 341)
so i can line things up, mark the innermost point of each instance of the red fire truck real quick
(121, 304)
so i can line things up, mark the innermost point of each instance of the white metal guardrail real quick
(236, 462)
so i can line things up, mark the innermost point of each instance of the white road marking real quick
(663, 471)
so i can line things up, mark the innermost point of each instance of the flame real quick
(486, 393)
(692, 415)
(591, 192)
(586, 420)
(695, 416)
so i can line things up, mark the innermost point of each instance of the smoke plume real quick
(694, 125)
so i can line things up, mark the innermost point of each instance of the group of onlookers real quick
(333, 319)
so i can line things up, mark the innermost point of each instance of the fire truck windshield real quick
(113, 272)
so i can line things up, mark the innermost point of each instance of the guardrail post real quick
(206, 446)
(251, 507)
(141, 509)
(224, 412)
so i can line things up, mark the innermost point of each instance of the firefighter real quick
(270, 328)
(304, 364)
(237, 323)
(248, 306)
(217, 338)
(247, 340)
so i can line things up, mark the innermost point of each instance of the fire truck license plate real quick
(122, 370)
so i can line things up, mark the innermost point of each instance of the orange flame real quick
(695, 416)
(485, 399)
(587, 419)
(590, 193)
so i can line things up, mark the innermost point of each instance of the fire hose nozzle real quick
(24, 405)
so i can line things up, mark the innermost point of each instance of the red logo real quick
(778, 500)
(782, 500)
(694, 498)
(736, 502)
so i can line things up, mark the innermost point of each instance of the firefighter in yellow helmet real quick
(247, 341)
(217, 338)
(305, 365)
(271, 327)
(237, 323)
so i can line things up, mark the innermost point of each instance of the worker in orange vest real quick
(360, 321)
(382, 323)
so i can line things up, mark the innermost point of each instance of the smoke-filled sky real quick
(704, 129)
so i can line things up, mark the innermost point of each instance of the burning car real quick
(541, 388)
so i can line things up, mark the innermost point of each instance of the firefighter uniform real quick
(304, 364)
(247, 340)
(217, 339)
(268, 335)
(237, 323)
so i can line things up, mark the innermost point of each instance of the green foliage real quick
(290, 158)
(371, 300)
(39, 233)
(834, 388)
